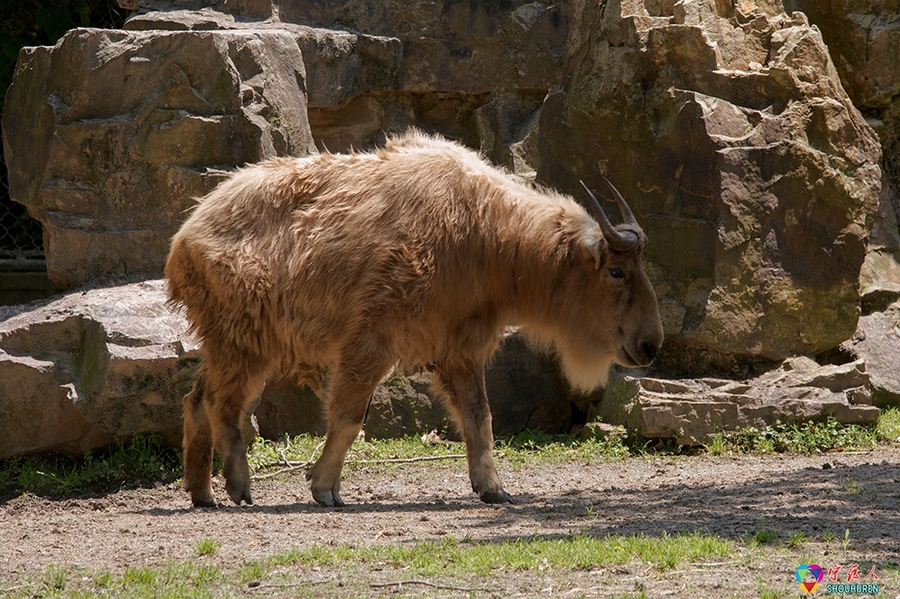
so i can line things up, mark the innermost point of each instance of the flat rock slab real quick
(92, 367)
(691, 410)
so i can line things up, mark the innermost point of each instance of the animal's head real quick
(620, 317)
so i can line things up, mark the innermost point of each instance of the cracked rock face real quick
(110, 134)
(752, 173)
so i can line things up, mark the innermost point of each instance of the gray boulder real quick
(93, 367)
(691, 410)
(754, 176)
(877, 341)
(109, 135)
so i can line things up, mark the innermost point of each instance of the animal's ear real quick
(593, 247)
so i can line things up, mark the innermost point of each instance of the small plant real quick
(207, 546)
(806, 438)
(796, 539)
(767, 592)
(55, 578)
(718, 445)
(846, 541)
(764, 534)
(828, 536)
(888, 427)
(850, 485)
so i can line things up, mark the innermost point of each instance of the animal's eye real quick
(616, 272)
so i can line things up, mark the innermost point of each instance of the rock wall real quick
(863, 38)
(755, 177)
(109, 135)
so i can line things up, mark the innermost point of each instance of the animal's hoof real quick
(239, 493)
(500, 496)
(204, 502)
(328, 497)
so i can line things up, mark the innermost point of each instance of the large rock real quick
(863, 37)
(877, 341)
(691, 410)
(754, 176)
(381, 69)
(469, 47)
(93, 367)
(109, 135)
(472, 47)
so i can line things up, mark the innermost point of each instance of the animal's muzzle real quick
(651, 350)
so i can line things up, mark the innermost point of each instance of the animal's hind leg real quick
(229, 391)
(198, 447)
(464, 387)
(348, 395)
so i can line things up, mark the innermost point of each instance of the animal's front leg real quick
(348, 397)
(469, 404)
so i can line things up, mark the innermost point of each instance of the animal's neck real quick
(543, 232)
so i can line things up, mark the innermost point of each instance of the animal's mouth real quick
(627, 358)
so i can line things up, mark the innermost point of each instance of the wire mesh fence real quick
(35, 23)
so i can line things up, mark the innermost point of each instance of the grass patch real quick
(764, 534)
(807, 438)
(141, 461)
(207, 546)
(577, 552)
(448, 560)
(888, 427)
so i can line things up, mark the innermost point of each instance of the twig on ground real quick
(284, 458)
(426, 458)
(315, 451)
(400, 583)
(292, 466)
(288, 585)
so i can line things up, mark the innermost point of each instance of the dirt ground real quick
(725, 496)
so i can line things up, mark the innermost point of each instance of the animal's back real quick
(295, 256)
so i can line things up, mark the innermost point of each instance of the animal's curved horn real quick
(620, 241)
(624, 210)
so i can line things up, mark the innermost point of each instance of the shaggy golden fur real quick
(336, 268)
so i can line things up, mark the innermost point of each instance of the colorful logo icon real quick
(809, 576)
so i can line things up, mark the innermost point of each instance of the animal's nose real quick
(650, 350)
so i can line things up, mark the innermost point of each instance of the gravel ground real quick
(725, 496)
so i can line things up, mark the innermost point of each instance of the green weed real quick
(803, 438)
(140, 461)
(888, 427)
(796, 539)
(763, 533)
(207, 546)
